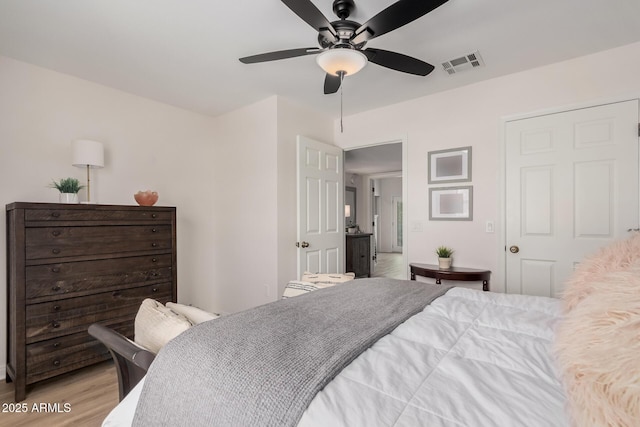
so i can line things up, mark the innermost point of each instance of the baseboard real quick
(3, 370)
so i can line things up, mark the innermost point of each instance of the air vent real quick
(466, 62)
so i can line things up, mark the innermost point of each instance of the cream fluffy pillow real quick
(193, 314)
(598, 348)
(588, 275)
(327, 277)
(155, 325)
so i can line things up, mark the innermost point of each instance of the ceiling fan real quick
(342, 42)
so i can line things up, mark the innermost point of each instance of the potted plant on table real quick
(68, 188)
(444, 257)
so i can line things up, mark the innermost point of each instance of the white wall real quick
(147, 146)
(472, 115)
(241, 254)
(293, 119)
(235, 225)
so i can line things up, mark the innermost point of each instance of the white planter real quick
(444, 263)
(68, 197)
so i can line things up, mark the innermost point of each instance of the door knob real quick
(514, 249)
(305, 244)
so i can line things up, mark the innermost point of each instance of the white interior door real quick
(571, 187)
(320, 207)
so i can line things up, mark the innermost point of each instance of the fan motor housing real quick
(345, 30)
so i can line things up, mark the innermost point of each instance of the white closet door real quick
(571, 187)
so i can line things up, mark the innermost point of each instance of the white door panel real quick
(320, 207)
(571, 187)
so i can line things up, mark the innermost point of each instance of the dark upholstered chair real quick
(131, 360)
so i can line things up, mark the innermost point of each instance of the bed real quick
(455, 357)
(470, 358)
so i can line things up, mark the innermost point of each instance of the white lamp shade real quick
(87, 153)
(349, 61)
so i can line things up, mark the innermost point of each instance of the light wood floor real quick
(90, 392)
(389, 265)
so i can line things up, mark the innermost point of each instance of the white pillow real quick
(194, 314)
(156, 325)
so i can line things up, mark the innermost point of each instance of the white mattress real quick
(471, 358)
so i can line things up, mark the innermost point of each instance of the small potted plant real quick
(68, 188)
(444, 257)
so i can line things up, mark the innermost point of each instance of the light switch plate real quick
(489, 227)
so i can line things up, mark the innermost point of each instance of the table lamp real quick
(89, 154)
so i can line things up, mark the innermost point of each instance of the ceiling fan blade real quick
(310, 14)
(395, 16)
(280, 54)
(399, 62)
(331, 84)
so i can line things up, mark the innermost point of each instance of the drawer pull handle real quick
(56, 288)
(55, 233)
(154, 259)
(154, 289)
(55, 214)
(154, 215)
(115, 293)
(55, 251)
(56, 308)
(55, 269)
(154, 244)
(56, 345)
(153, 230)
(55, 324)
(56, 362)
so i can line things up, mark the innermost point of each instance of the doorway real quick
(377, 173)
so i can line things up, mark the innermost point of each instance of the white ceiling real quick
(185, 53)
(375, 159)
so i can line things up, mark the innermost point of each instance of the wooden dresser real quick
(358, 252)
(69, 266)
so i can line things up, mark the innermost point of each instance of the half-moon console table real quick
(453, 273)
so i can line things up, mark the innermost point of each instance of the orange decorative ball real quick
(146, 198)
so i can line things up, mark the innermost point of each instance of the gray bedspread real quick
(263, 366)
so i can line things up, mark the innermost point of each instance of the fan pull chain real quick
(341, 86)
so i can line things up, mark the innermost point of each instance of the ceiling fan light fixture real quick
(347, 61)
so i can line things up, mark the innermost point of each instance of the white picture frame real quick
(451, 203)
(452, 165)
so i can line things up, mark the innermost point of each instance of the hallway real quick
(390, 265)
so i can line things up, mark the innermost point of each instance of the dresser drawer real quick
(131, 215)
(53, 357)
(55, 242)
(66, 316)
(68, 279)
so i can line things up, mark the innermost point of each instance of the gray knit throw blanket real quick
(262, 367)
